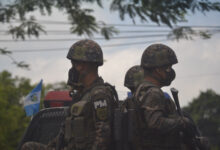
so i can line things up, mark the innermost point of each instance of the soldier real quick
(160, 125)
(133, 77)
(89, 125)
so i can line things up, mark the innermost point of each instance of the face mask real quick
(170, 76)
(73, 79)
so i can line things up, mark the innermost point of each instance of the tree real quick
(83, 22)
(205, 110)
(12, 116)
(13, 120)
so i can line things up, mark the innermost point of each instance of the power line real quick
(67, 48)
(95, 38)
(61, 32)
(120, 31)
(108, 24)
(133, 25)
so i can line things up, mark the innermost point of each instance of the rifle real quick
(195, 137)
(176, 99)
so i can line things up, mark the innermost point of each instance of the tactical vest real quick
(79, 126)
(128, 125)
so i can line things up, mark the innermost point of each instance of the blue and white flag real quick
(32, 100)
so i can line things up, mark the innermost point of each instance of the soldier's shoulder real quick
(146, 87)
(101, 90)
(147, 90)
(155, 90)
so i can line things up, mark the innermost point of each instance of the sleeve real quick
(103, 117)
(155, 114)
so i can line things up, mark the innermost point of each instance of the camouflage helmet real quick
(134, 76)
(86, 51)
(158, 55)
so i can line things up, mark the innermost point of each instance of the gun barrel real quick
(176, 99)
(174, 90)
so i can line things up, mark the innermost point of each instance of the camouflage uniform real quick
(89, 125)
(33, 146)
(160, 124)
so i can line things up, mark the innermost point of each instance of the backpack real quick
(128, 122)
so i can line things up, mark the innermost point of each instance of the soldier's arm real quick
(154, 110)
(102, 114)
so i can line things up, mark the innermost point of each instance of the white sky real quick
(198, 68)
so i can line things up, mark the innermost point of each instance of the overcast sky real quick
(198, 68)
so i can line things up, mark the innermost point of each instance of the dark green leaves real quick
(20, 64)
(3, 51)
(160, 11)
(27, 27)
(188, 33)
(108, 31)
(82, 22)
(205, 110)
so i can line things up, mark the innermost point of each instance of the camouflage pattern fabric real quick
(87, 51)
(89, 126)
(133, 77)
(158, 55)
(34, 146)
(162, 124)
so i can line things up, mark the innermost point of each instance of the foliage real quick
(12, 116)
(20, 64)
(187, 33)
(81, 19)
(84, 23)
(205, 110)
(13, 120)
(29, 27)
(160, 11)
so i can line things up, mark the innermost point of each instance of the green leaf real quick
(3, 51)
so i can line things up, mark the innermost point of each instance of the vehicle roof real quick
(58, 96)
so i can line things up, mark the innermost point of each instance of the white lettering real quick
(101, 103)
